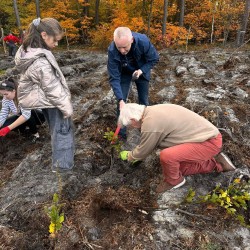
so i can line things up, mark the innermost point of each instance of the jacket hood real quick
(24, 59)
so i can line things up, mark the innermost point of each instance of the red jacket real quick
(11, 39)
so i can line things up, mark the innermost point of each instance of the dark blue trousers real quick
(142, 86)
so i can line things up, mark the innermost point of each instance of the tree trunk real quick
(38, 13)
(241, 32)
(182, 10)
(86, 8)
(97, 4)
(149, 17)
(228, 23)
(189, 30)
(18, 22)
(84, 15)
(4, 45)
(144, 8)
(226, 29)
(165, 16)
(212, 28)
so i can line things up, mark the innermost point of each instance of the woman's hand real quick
(4, 131)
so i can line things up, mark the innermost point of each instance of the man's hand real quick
(121, 104)
(136, 74)
(4, 131)
(124, 155)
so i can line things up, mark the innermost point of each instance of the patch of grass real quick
(211, 246)
(2, 72)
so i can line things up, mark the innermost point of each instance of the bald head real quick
(123, 39)
(122, 32)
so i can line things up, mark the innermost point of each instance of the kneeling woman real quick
(20, 118)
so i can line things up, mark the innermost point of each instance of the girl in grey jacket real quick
(43, 86)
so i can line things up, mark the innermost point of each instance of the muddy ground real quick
(106, 203)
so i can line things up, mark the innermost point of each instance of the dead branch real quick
(194, 215)
(103, 150)
(218, 237)
(112, 158)
(86, 243)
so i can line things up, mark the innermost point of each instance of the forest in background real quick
(166, 22)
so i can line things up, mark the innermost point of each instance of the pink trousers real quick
(190, 158)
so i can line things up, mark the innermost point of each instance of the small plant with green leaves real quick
(115, 143)
(190, 195)
(54, 211)
(55, 215)
(211, 246)
(235, 198)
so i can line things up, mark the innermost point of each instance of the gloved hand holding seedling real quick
(124, 157)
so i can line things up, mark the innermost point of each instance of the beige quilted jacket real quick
(42, 84)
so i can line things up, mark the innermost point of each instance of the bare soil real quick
(118, 215)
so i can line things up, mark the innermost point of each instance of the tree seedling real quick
(114, 141)
(235, 198)
(54, 211)
(55, 215)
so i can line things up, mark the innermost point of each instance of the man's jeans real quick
(62, 139)
(142, 86)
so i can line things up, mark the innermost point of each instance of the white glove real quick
(136, 74)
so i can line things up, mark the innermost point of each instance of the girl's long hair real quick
(33, 36)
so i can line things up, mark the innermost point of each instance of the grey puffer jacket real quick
(42, 84)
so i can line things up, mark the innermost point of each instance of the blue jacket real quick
(144, 54)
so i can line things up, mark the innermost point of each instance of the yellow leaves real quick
(102, 37)
(223, 193)
(234, 199)
(225, 197)
(104, 33)
(137, 24)
(237, 180)
(83, 3)
(175, 35)
(52, 228)
(200, 17)
(55, 215)
(77, 17)
(85, 22)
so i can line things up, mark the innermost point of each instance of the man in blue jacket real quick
(131, 56)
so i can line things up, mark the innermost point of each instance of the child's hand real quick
(4, 131)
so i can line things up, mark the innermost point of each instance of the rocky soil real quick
(106, 203)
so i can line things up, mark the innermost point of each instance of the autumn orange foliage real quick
(84, 23)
